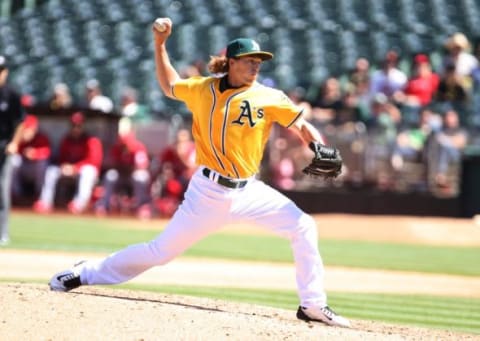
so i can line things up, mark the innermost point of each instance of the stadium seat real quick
(337, 32)
(145, 13)
(85, 10)
(472, 16)
(55, 10)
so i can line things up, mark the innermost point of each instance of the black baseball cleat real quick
(66, 280)
(324, 315)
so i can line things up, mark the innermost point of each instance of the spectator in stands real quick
(422, 85)
(410, 142)
(358, 87)
(419, 91)
(95, 99)
(167, 191)
(347, 133)
(61, 97)
(327, 103)
(382, 130)
(80, 159)
(127, 165)
(450, 89)
(384, 115)
(176, 166)
(130, 107)
(181, 155)
(359, 77)
(31, 160)
(349, 111)
(449, 144)
(389, 78)
(410, 155)
(458, 48)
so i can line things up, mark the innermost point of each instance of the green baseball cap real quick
(246, 47)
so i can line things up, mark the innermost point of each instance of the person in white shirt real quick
(458, 48)
(389, 79)
(96, 100)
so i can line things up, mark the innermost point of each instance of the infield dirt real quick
(30, 312)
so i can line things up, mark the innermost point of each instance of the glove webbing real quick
(322, 150)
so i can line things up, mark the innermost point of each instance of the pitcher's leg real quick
(275, 212)
(192, 222)
(135, 259)
(308, 262)
(300, 229)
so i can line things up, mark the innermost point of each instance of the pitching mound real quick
(32, 312)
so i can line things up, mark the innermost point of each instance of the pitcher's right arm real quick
(165, 72)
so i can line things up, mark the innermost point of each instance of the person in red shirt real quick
(127, 170)
(420, 90)
(176, 166)
(422, 86)
(31, 160)
(80, 158)
(180, 155)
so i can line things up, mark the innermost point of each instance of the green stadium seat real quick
(112, 40)
(85, 10)
(56, 10)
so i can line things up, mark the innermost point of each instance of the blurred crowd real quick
(94, 99)
(87, 176)
(398, 129)
(401, 125)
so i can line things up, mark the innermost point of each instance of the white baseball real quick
(160, 25)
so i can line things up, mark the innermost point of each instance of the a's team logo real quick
(247, 113)
(255, 46)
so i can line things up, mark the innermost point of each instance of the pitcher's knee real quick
(308, 226)
(161, 253)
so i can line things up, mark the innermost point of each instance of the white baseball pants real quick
(206, 208)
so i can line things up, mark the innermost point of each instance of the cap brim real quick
(262, 54)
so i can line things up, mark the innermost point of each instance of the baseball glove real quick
(326, 163)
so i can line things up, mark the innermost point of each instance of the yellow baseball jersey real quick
(231, 128)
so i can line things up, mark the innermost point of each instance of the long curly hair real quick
(218, 64)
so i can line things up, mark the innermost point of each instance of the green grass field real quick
(87, 234)
(458, 314)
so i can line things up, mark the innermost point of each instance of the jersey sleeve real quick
(183, 90)
(285, 112)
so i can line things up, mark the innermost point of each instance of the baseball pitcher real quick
(232, 118)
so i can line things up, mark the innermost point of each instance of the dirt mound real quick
(32, 312)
